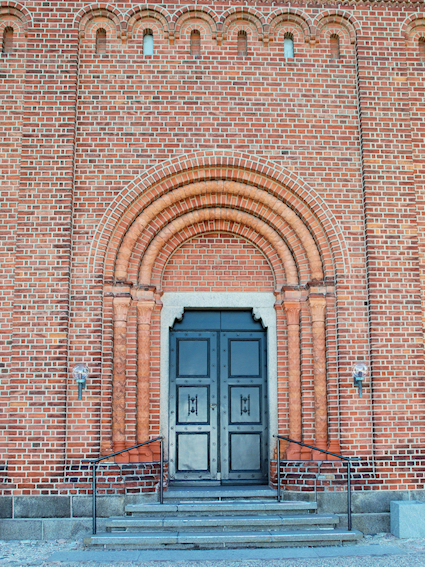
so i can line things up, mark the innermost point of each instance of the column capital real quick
(292, 309)
(317, 308)
(121, 305)
(144, 311)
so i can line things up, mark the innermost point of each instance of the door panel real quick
(193, 402)
(218, 399)
(243, 411)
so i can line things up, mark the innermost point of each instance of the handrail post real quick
(349, 495)
(161, 480)
(94, 498)
(278, 470)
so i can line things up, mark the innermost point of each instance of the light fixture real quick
(360, 373)
(80, 373)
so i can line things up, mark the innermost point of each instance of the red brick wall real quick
(88, 141)
(218, 262)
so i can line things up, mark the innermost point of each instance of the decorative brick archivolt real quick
(153, 12)
(410, 23)
(84, 19)
(214, 226)
(220, 214)
(189, 15)
(228, 21)
(226, 188)
(16, 10)
(260, 172)
(295, 17)
(339, 18)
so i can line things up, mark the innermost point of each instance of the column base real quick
(334, 447)
(317, 455)
(124, 457)
(145, 454)
(293, 452)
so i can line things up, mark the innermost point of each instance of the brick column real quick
(292, 309)
(121, 305)
(318, 309)
(144, 313)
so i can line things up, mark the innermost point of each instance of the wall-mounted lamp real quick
(80, 373)
(360, 372)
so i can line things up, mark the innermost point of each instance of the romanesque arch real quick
(299, 249)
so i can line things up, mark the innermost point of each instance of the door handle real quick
(213, 406)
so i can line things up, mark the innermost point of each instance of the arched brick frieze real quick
(260, 172)
(294, 17)
(84, 18)
(12, 17)
(230, 215)
(230, 20)
(135, 17)
(336, 18)
(183, 18)
(253, 194)
(16, 10)
(410, 23)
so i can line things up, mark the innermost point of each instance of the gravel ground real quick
(397, 553)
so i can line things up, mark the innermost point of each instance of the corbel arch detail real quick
(410, 23)
(181, 18)
(136, 15)
(293, 16)
(341, 19)
(17, 15)
(84, 18)
(231, 18)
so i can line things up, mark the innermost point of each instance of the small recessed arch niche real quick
(288, 46)
(335, 47)
(242, 43)
(195, 43)
(148, 44)
(7, 40)
(421, 49)
(101, 41)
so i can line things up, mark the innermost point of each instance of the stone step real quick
(214, 540)
(232, 507)
(182, 494)
(222, 523)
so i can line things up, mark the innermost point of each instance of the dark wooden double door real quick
(218, 398)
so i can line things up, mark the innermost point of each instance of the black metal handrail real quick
(347, 459)
(94, 464)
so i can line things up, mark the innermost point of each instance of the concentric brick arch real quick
(208, 194)
(180, 239)
(230, 215)
(304, 203)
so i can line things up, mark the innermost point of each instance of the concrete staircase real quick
(224, 517)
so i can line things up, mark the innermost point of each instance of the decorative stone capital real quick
(317, 309)
(292, 309)
(144, 312)
(121, 305)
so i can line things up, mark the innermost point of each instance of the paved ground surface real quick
(382, 550)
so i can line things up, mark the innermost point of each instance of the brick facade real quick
(126, 176)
